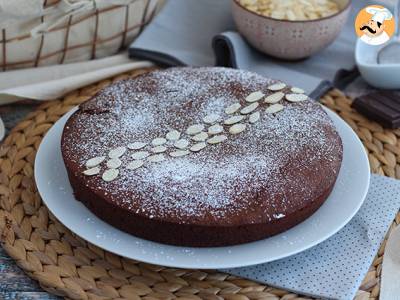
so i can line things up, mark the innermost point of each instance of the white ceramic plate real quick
(345, 200)
(2, 130)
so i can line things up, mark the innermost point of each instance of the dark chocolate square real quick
(382, 107)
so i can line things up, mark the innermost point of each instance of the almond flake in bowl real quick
(292, 10)
(290, 29)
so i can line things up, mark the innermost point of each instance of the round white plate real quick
(2, 129)
(343, 203)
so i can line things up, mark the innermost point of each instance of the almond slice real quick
(136, 145)
(250, 108)
(215, 129)
(179, 153)
(114, 163)
(254, 117)
(140, 155)
(136, 164)
(211, 119)
(274, 98)
(291, 15)
(181, 144)
(231, 109)
(156, 158)
(92, 171)
(297, 90)
(253, 97)
(195, 129)
(233, 120)
(117, 152)
(237, 128)
(277, 86)
(158, 141)
(173, 135)
(197, 147)
(274, 108)
(217, 139)
(159, 149)
(296, 97)
(200, 137)
(95, 161)
(110, 175)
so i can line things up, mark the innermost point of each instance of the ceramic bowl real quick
(289, 40)
(383, 76)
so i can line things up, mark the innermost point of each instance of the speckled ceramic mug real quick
(290, 40)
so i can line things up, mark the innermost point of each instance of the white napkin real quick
(52, 82)
(390, 286)
(335, 268)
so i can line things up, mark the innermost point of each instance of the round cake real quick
(201, 157)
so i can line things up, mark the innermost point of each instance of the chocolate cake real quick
(201, 156)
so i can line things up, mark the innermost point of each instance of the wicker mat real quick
(68, 266)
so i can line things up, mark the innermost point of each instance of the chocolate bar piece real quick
(381, 106)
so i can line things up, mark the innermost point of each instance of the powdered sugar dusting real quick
(261, 170)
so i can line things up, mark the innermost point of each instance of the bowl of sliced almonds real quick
(290, 29)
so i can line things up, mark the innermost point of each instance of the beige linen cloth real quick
(52, 82)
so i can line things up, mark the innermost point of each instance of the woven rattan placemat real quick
(68, 266)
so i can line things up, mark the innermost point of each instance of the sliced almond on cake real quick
(296, 97)
(297, 90)
(181, 144)
(195, 129)
(140, 155)
(256, 96)
(110, 175)
(215, 129)
(249, 109)
(254, 117)
(217, 139)
(274, 98)
(231, 109)
(179, 153)
(136, 164)
(173, 135)
(92, 171)
(276, 86)
(233, 120)
(159, 149)
(197, 147)
(117, 152)
(274, 108)
(200, 137)
(114, 163)
(237, 128)
(95, 161)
